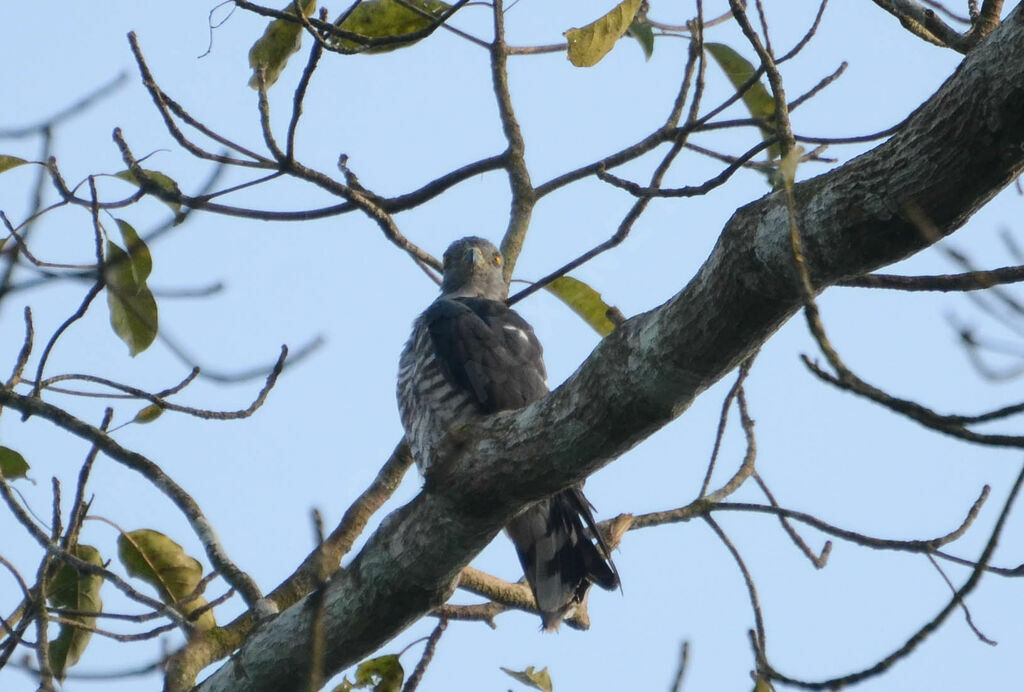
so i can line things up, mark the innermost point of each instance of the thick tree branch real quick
(955, 153)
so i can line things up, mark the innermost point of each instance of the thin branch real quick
(26, 349)
(963, 606)
(81, 505)
(42, 619)
(524, 197)
(160, 401)
(966, 281)
(83, 307)
(238, 579)
(755, 602)
(695, 60)
(74, 561)
(689, 190)
(723, 418)
(117, 636)
(953, 425)
(925, 546)
(808, 35)
(818, 560)
(300, 90)
(428, 655)
(782, 127)
(166, 106)
(684, 659)
(918, 637)
(817, 88)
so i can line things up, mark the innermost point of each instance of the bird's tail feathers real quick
(559, 557)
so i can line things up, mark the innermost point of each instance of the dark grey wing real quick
(489, 351)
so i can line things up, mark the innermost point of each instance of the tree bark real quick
(959, 149)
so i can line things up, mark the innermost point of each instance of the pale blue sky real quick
(404, 118)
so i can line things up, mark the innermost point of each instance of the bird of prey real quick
(469, 356)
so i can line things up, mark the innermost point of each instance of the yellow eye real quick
(497, 259)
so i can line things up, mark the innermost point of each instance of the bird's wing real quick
(488, 350)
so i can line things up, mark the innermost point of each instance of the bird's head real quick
(472, 269)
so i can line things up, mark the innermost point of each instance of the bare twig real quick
(966, 281)
(755, 602)
(723, 418)
(238, 579)
(524, 197)
(684, 659)
(915, 640)
(963, 606)
(818, 560)
(428, 655)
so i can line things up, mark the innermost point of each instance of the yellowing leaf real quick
(160, 562)
(381, 674)
(162, 181)
(12, 464)
(588, 44)
(133, 311)
(585, 302)
(279, 41)
(387, 19)
(148, 414)
(758, 101)
(9, 162)
(535, 679)
(75, 590)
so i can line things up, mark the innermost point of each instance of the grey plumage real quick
(469, 356)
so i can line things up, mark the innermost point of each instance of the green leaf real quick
(74, 590)
(279, 41)
(163, 564)
(12, 464)
(644, 35)
(148, 414)
(381, 674)
(133, 311)
(757, 99)
(588, 44)
(9, 162)
(161, 180)
(138, 253)
(387, 19)
(587, 303)
(535, 679)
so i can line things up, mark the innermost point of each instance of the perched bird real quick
(469, 356)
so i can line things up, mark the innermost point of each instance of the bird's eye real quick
(496, 259)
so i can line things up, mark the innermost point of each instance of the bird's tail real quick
(562, 553)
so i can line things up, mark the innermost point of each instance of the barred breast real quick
(427, 401)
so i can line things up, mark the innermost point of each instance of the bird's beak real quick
(476, 257)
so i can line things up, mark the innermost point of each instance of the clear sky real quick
(403, 118)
